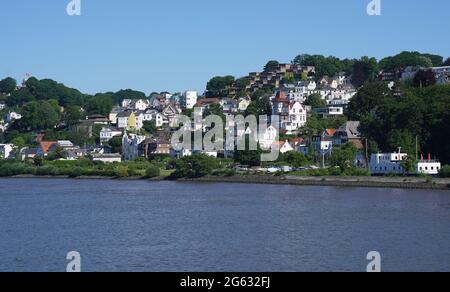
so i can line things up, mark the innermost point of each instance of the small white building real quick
(107, 133)
(6, 151)
(390, 163)
(12, 116)
(107, 158)
(189, 99)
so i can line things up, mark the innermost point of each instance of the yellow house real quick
(132, 121)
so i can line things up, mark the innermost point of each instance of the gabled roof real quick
(330, 132)
(46, 145)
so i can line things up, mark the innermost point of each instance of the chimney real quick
(429, 157)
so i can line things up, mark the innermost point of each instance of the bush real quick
(121, 171)
(445, 171)
(152, 171)
(76, 172)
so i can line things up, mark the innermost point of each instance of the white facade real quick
(189, 99)
(107, 158)
(267, 138)
(12, 116)
(428, 167)
(107, 134)
(6, 150)
(388, 163)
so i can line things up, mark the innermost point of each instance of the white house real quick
(189, 99)
(107, 133)
(2, 105)
(12, 116)
(284, 146)
(6, 150)
(243, 104)
(268, 137)
(293, 115)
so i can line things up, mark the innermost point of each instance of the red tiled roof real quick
(296, 141)
(330, 132)
(281, 96)
(46, 145)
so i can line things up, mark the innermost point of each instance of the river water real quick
(170, 226)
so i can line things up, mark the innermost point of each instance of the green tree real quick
(365, 69)
(120, 95)
(33, 114)
(219, 86)
(447, 62)
(152, 171)
(100, 104)
(367, 99)
(315, 101)
(19, 97)
(249, 157)
(271, 66)
(424, 78)
(344, 157)
(115, 144)
(150, 127)
(72, 115)
(8, 85)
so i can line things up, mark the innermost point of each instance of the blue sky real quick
(177, 45)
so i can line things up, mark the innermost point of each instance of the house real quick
(130, 146)
(243, 104)
(189, 99)
(28, 153)
(107, 133)
(171, 114)
(323, 144)
(391, 163)
(293, 115)
(130, 120)
(155, 146)
(330, 111)
(283, 146)
(206, 103)
(107, 158)
(113, 114)
(136, 104)
(12, 116)
(2, 105)
(6, 151)
(349, 133)
(268, 137)
(45, 148)
(97, 120)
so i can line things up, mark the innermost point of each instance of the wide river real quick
(169, 226)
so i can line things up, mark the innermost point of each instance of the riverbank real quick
(336, 181)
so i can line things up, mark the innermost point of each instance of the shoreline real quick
(366, 182)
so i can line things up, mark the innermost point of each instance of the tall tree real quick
(8, 85)
(271, 65)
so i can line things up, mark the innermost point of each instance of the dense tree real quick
(194, 166)
(405, 59)
(365, 69)
(259, 107)
(294, 159)
(100, 104)
(324, 65)
(72, 115)
(249, 157)
(315, 101)
(150, 127)
(7, 85)
(38, 115)
(344, 157)
(271, 66)
(424, 78)
(220, 86)
(19, 97)
(422, 113)
(115, 145)
(367, 99)
(120, 95)
(49, 89)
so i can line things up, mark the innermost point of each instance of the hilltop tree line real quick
(365, 69)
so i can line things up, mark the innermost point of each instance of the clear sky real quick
(176, 45)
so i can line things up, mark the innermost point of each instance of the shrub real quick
(152, 171)
(76, 172)
(121, 171)
(445, 171)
